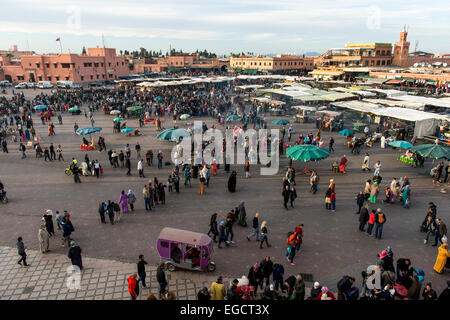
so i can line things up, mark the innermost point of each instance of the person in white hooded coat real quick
(43, 238)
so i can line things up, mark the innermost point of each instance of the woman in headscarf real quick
(394, 190)
(43, 238)
(232, 182)
(406, 196)
(123, 201)
(131, 198)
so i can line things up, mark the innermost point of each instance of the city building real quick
(179, 62)
(276, 64)
(99, 64)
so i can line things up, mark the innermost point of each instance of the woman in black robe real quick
(232, 182)
(75, 255)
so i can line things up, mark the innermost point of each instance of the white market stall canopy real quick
(389, 92)
(425, 122)
(425, 100)
(362, 93)
(397, 103)
(250, 86)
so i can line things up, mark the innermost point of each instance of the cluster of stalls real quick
(424, 123)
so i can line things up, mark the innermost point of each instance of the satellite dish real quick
(429, 66)
(444, 64)
(415, 65)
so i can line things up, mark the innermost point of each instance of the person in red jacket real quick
(298, 237)
(133, 287)
(371, 222)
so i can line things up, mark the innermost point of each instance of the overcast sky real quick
(221, 26)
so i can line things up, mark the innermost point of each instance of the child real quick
(388, 195)
(371, 222)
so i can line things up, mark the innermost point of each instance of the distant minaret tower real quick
(401, 50)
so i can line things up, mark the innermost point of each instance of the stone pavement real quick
(46, 279)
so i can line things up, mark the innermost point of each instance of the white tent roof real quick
(397, 103)
(425, 100)
(358, 92)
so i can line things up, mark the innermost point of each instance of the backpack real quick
(291, 237)
(380, 218)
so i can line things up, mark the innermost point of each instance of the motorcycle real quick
(3, 197)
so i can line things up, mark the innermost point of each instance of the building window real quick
(55, 65)
(98, 76)
(82, 78)
(96, 64)
(383, 62)
(47, 65)
(103, 76)
(40, 78)
(65, 65)
(57, 78)
(67, 78)
(101, 64)
(109, 64)
(388, 62)
(378, 62)
(92, 77)
(38, 65)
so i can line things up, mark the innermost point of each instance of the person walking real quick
(366, 165)
(213, 227)
(378, 167)
(441, 231)
(374, 190)
(255, 228)
(101, 212)
(147, 198)
(110, 211)
(141, 270)
(286, 196)
(161, 278)
(128, 165)
(217, 289)
(52, 152)
(123, 201)
(201, 188)
(277, 276)
(314, 182)
(380, 220)
(429, 226)
(44, 239)
(131, 198)
(293, 195)
(330, 145)
(59, 151)
(21, 251)
(133, 286)
(222, 235)
(264, 235)
(140, 168)
(75, 255)
(363, 218)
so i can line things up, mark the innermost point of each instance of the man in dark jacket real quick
(75, 255)
(441, 230)
(286, 196)
(255, 228)
(232, 291)
(360, 201)
(161, 278)
(344, 286)
(67, 231)
(277, 276)
(429, 293)
(364, 217)
(141, 270)
(266, 268)
(445, 295)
